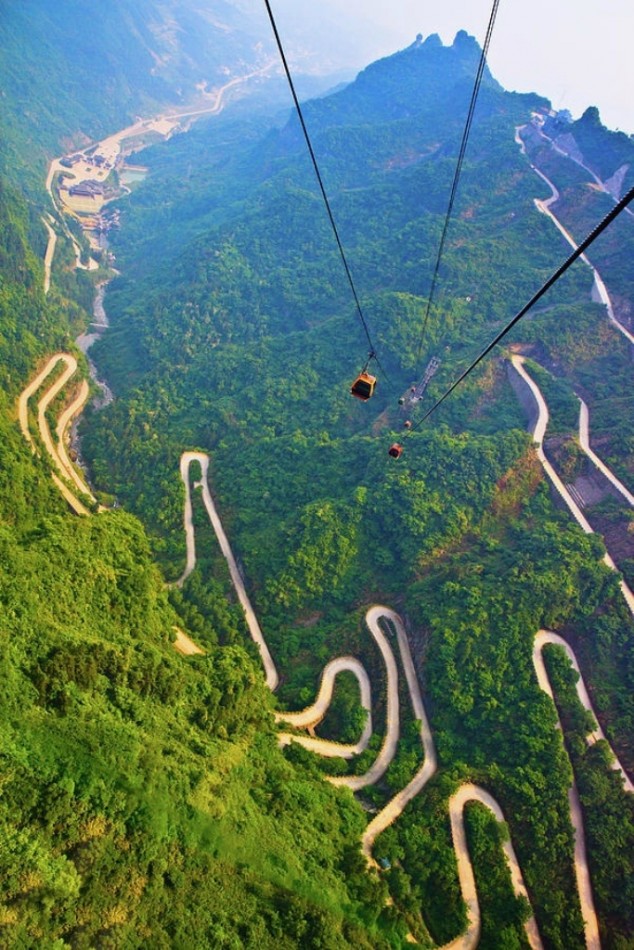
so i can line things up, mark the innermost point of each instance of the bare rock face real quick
(614, 184)
(568, 144)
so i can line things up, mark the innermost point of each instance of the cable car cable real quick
(594, 234)
(456, 177)
(372, 353)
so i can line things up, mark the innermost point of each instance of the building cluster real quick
(84, 192)
(87, 189)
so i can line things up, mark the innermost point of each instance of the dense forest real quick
(146, 800)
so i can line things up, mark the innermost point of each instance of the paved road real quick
(584, 442)
(392, 731)
(396, 805)
(57, 450)
(600, 293)
(311, 716)
(48, 256)
(582, 871)
(581, 865)
(469, 939)
(602, 185)
(538, 436)
(254, 628)
(61, 461)
(314, 713)
(547, 636)
(73, 409)
(162, 124)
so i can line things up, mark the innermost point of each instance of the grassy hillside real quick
(70, 75)
(146, 801)
(245, 345)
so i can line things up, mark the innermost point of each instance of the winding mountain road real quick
(538, 437)
(392, 731)
(582, 871)
(584, 442)
(397, 804)
(599, 291)
(163, 125)
(311, 716)
(542, 637)
(314, 713)
(376, 615)
(57, 450)
(469, 940)
(202, 459)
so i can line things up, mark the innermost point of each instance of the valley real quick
(76, 182)
(376, 619)
(238, 743)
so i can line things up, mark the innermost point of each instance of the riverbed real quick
(85, 340)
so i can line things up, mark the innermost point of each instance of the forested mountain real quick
(72, 73)
(146, 801)
(69, 74)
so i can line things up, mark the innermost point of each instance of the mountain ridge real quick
(174, 818)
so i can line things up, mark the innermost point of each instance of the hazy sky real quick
(575, 52)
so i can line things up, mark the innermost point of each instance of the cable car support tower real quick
(415, 393)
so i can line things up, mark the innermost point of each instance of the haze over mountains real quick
(146, 798)
(67, 74)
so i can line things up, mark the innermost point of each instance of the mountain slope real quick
(69, 76)
(146, 800)
(243, 340)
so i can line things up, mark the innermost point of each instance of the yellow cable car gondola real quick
(363, 386)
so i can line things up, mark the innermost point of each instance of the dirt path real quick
(538, 436)
(186, 646)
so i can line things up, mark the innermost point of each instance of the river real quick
(85, 340)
